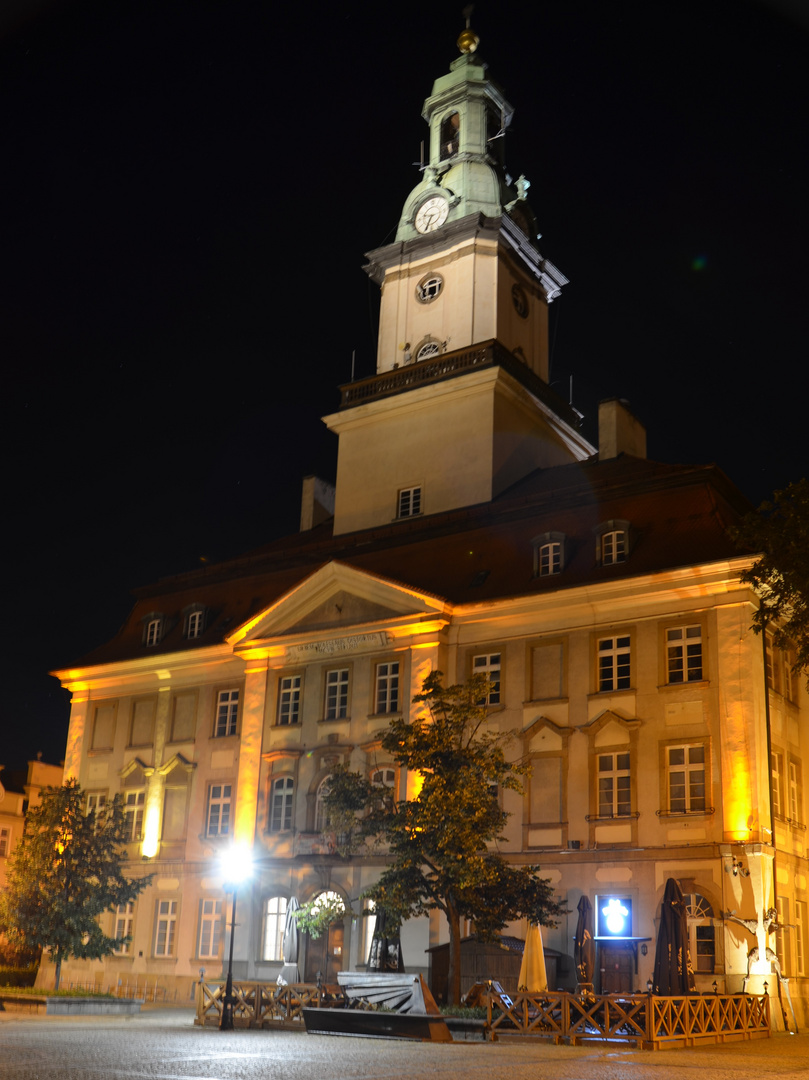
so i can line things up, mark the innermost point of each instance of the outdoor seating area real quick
(648, 1021)
(261, 1004)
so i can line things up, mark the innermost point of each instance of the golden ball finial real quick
(468, 40)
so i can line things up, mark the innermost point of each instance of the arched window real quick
(430, 348)
(701, 937)
(450, 135)
(275, 917)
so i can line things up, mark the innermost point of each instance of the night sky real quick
(189, 187)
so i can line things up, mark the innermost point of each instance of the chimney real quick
(619, 432)
(317, 502)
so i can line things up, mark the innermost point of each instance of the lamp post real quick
(237, 866)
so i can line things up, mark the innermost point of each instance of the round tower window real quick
(428, 288)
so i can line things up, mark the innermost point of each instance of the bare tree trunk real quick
(454, 972)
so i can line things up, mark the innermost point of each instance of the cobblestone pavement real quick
(163, 1044)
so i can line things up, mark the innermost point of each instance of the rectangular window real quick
(193, 624)
(166, 928)
(489, 665)
(549, 559)
(800, 936)
(387, 687)
(614, 798)
(210, 929)
(143, 716)
(275, 917)
(684, 654)
(219, 803)
(96, 801)
(133, 814)
(153, 628)
(227, 712)
(777, 765)
(104, 726)
(782, 942)
(281, 804)
(795, 793)
(686, 778)
(773, 664)
(289, 699)
(5, 841)
(613, 663)
(124, 923)
(613, 547)
(409, 502)
(336, 694)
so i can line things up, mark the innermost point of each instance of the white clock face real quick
(432, 214)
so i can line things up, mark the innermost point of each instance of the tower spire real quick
(468, 40)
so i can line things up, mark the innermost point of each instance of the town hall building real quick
(471, 528)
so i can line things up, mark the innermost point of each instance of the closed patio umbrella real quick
(584, 946)
(533, 976)
(290, 972)
(673, 974)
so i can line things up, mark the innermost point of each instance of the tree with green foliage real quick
(779, 530)
(66, 871)
(441, 843)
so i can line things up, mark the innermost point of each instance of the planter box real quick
(376, 1025)
(89, 1006)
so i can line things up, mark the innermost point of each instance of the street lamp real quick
(236, 867)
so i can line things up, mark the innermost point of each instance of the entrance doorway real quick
(324, 954)
(617, 968)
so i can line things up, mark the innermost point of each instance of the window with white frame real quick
(549, 554)
(777, 768)
(154, 630)
(795, 792)
(428, 288)
(387, 687)
(124, 925)
(336, 706)
(428, 349)
(614, 663)
(96, 801)
(194, 623)
(384, 780)
(5, 841)
(684, 654)
(801, 931)
(289, 699)
(275, 917)
(488, 664)
(210, 929)
(685, 769)
(219, 807)
(612, 547)
(549, 558)
(281, 793)
(614, 793)
(701, 936)
(368, 928)
(134, 802)
(227, 713)
(165, 927)
(409, 502)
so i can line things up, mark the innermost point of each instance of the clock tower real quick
(460, 407)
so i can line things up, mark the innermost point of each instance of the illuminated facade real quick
(473, 528)
(17, 793)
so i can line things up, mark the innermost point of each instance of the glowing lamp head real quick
(236, 864)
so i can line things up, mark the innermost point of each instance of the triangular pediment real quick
(335, 598)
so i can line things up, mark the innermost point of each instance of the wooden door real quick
(325, 954)
(617, 969)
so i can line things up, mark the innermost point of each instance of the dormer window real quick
(154, 631)
(612, 543)
(549, 554)
(450, 135)
(194, 623)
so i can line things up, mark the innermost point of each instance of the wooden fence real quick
(644, 1020)
(261, 1004)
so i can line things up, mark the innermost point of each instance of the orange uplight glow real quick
(415, 782)
(250, 757)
